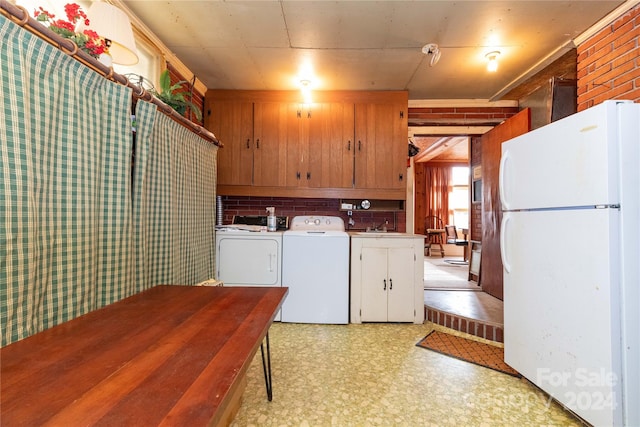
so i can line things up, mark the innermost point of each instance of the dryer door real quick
(248, 262)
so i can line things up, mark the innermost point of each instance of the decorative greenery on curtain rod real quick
(19, 15)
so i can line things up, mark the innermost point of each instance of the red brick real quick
(626, 74)
(610, 74)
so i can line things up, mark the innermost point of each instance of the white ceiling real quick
(366, 45)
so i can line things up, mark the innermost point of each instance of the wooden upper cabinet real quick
(320, 145)
(232, 123)
(381, 132)
(347, 144)
(270, 133)
(297, 146)
(330, 160)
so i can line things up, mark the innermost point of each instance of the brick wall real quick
(609, 62)
(197, 98)
(242, 205)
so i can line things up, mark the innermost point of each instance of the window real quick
(459, 197)
(148, 66)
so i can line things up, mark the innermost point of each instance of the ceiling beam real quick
(448, 130)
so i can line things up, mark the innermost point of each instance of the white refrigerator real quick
(569, 242)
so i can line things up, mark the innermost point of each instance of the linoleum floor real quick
(375, 375)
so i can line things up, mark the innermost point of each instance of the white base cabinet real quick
(387, 278)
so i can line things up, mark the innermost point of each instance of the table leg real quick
(266, 368)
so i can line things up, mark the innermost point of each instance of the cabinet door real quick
(375, 285)
(401, 265)
(381, 145)
(232, 123)
(269, 131)
(297, 143)
(331, 145)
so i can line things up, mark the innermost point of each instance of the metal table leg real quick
(266, 368)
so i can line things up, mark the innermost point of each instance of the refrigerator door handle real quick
(501, 179)
(503, 239)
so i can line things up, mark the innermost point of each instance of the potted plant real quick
(170, 95)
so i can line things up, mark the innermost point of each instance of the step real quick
(479, 328)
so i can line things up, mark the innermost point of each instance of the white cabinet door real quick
(400, 307)
(374, 285)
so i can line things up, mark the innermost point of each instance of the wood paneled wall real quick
(491, 263)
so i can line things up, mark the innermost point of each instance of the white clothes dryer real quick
(249, 258)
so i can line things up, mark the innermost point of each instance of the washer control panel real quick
(316, 223)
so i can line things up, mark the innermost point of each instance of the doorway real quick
(442, 188)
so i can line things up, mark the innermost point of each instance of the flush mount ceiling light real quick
(492, 57)
(433, 50)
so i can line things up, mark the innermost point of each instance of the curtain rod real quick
(20, 16)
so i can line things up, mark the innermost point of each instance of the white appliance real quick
(570, 238)
(315, 268)
(246, 256)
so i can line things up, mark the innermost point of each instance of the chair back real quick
(433, 222)
(452, 234)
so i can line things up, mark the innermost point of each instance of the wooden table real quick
(171, 355)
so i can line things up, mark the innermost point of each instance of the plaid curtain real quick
(65, 187)
(177, 201)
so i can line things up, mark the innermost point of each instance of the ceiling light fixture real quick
(492, 57)
(433, 50)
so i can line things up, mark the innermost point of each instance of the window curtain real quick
(65, 187)
(175, 178)
(437, 182)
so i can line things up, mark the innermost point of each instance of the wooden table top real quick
(170, 355)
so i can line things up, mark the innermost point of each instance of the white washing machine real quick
(249, 258)
(315, 268)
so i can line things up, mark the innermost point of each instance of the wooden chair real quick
(434, 230)
(452, 239)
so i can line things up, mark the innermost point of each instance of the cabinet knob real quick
(248, 142)
(258, 143)
(390, 284)
(308, 175)
(400, 177)
(297, 175)
(384, 288)
(349, 145)
(359, 145)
